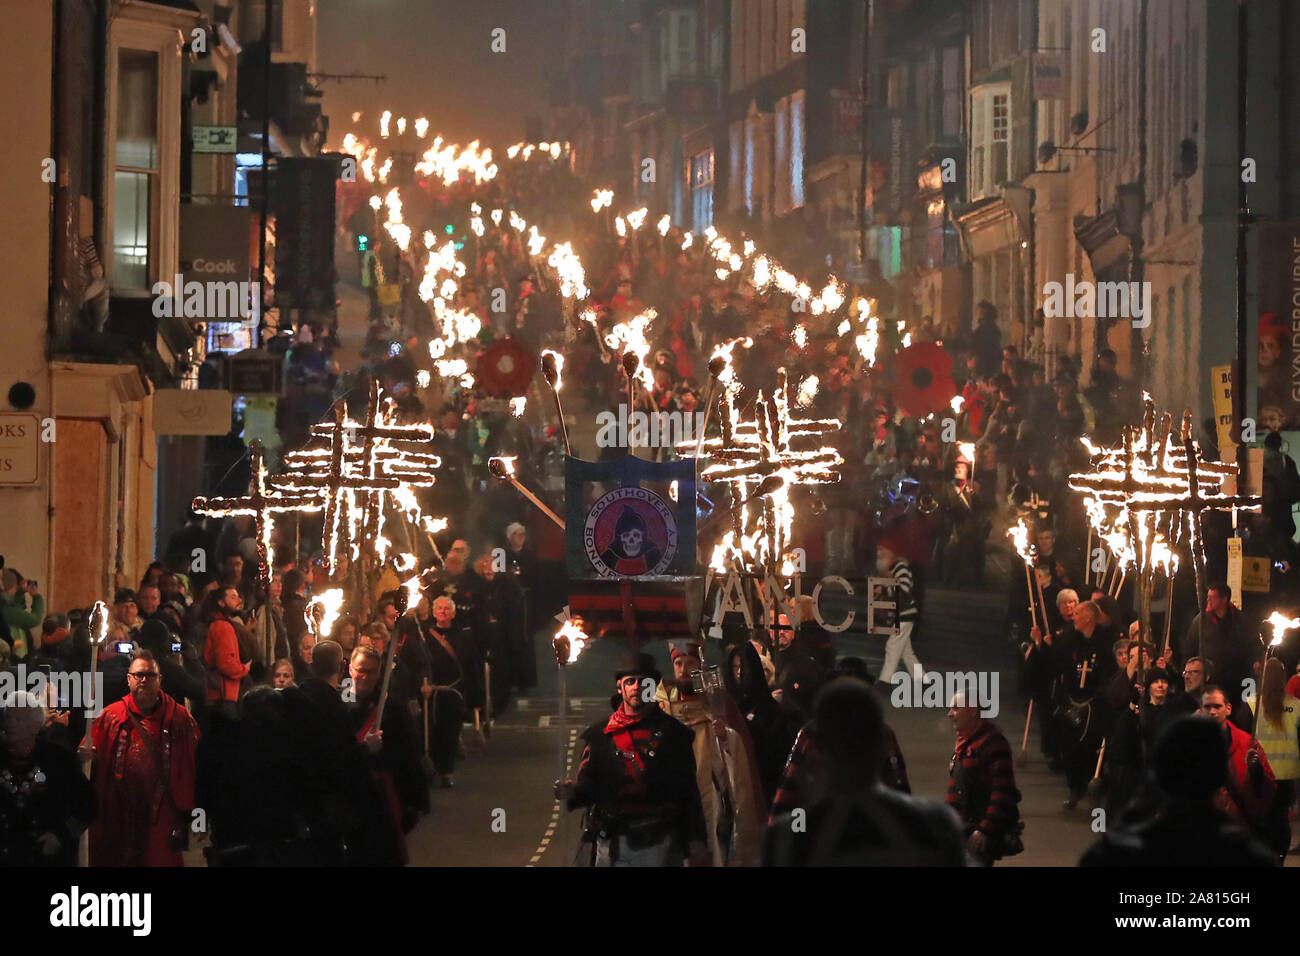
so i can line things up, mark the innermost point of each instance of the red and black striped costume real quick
(982, 782)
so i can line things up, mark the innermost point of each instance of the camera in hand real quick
(176, 647)
(125, 647)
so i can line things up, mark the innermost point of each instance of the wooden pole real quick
(537, 501)
(1024, 741)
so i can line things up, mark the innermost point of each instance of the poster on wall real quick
(1278, 389)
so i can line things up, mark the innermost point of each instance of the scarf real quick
(631, 739)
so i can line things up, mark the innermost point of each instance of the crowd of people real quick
(325, 751)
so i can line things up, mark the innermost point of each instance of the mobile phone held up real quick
(125, 647)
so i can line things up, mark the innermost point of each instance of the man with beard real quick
(221, 653)
(454, 680)
(726, 772)
(1086, 663)
(1197, 672)
(637, 774)
(392, 757)
(631, 551)
(144, 746)
(1221, 633)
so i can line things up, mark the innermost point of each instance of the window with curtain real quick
(136, 171)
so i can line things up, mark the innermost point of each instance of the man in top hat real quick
(638, 776)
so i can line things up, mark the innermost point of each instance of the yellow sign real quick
(1221, 388)
(1235, 570)
(1255, 574)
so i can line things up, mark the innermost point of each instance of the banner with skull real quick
(629, 518)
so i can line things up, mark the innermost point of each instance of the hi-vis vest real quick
(1279, 740)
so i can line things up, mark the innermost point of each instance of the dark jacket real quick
(1182, 836)
(881, 827)
(64, 796)
(771, 727)
(982, 783)
(670, 790)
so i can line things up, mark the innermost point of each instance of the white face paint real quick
(631, 541)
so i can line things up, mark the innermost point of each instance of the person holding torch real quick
(637, 774)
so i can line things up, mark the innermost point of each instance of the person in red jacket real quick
(221, 653)
(1248, 796)
(144, 746)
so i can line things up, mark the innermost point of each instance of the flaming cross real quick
(1150, 477)
(262, 504)
(759, 452)
(360, 459)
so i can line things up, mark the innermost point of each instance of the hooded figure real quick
(771, 728)
(631, 551)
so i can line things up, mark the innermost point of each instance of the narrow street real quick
(513, 769)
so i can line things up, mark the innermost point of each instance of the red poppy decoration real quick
(923, 379)
(505, 368)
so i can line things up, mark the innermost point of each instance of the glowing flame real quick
(630, 336)
(869, 341)
(559, 360)
(323, 610)
(1019, 536)
(517, 405)
(956, 403)
(507, 463)
(576, 639)
(1280, 626)
(601, 199)
(412, 587)
(807, 391)
(664, 222)
(966, 450)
